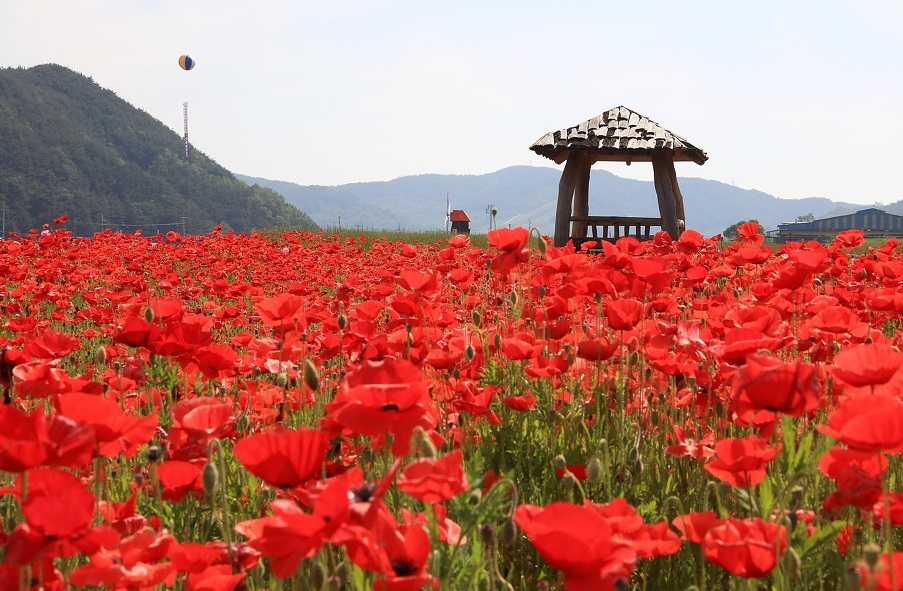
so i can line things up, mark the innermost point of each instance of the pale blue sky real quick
(794, 98)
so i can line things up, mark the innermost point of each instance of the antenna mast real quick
(185, 138)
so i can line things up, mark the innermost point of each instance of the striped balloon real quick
(186, 62)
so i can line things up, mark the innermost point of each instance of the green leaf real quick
(766, 497)
(821, 535)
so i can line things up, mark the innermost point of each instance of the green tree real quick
(805, 218)
(730, 233)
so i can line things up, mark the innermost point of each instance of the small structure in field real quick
(873, 222)
(617, 135)
(460, 223)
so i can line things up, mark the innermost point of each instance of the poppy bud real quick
(149, 314)
(474, 497)
(469, 352)
(569, 480)
(342, 571)
(487, 533)
(311, 376)
(497, 341)
(282, 379)
(851, 578)
(435, 561)
(475, 317)
(210, 478)
(153, 454)
(425, 446)
(100, 356)
(560, 462)
(792, 563)
(317, 576)
(871, 553)
(508, 535)
(541, 245)
(594, 470)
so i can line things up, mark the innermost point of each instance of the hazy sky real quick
(794, 98)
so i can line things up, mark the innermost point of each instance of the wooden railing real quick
(611, 228)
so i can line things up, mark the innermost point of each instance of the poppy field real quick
(312, 411)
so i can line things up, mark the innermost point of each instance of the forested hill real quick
(68, 146)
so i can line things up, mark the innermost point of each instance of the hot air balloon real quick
(186, 61)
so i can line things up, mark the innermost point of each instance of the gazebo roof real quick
(618, 134)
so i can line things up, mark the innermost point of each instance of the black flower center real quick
(403, 568)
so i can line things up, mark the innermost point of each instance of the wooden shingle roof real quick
(618, 134)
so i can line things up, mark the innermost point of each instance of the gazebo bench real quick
(610, 228)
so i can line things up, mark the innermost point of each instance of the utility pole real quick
(184, 218)
(185, 112)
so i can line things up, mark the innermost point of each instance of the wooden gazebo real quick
(617, 135)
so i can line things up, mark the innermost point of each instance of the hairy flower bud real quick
(100, 356)
(508, 533)
(317, 576)
(210, 478)
(594, 470)
(311, 375)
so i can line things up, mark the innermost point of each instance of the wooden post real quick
(678, 196)
(565, 199)
(581, 196)
(667, 204)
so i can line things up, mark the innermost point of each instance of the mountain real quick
(527, 195)
(68, 146)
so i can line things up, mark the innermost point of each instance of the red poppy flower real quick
(885, 575)
(195, 421)
(578, 541)
(837, 323)
(179, 479)
(623, 314)
(857, 475)
(688, 447)
(434, 481)
(750, 232)
(40, 379)
(52, 345)
(166, 310)
(520, 403)
(740, 462)
(511, 244)
(766, 383)
(407, 551)
(868, 366)
(22, 439)
(283, 312)
(384, 396)
(291, 534)
(867, 423)
(745, 547)
(58, 511)
(218, 577)
(136, 332)
(284, 458)
(694, 526)
(114, 431)
(837, 459)
(596, 349)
